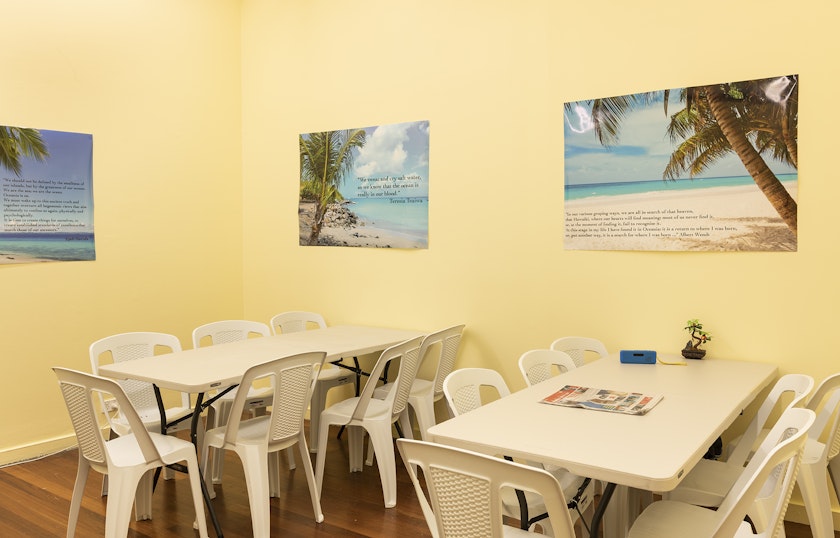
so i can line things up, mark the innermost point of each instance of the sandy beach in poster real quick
(359, 235)
(12, 257)
(714, 219)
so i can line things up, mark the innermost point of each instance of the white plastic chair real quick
(537, 365)
(795, 386)
(442, 348)
(709, 481)
(258, 441)
(713, 479)
(578, 347)
(127, 459)
(364, 413)
(259, 398)
(821, 450)
(331, 376)
(465, 491)
(467, 389)
(130, 346)
(770, 475)
(462, 389)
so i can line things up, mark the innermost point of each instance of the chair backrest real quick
(408, 354)
(229, 330)
(130, 346)
(78, 389)
(441, 346)
(578, 346)
(826, 403)
(797, 385)
(295, 321)
(770, 475)
(293, 378)
(464, 490)
(462, 388)
(537, 365)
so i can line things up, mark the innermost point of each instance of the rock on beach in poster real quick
(344, 228)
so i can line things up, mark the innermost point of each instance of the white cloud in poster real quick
(384, 151)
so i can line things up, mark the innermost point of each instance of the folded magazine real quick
(629, 403)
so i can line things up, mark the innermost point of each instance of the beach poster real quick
(704, 168)
(365, 187)
(46, 196)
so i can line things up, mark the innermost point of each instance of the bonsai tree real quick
(698, 336)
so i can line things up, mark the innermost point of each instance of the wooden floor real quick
(35, 499)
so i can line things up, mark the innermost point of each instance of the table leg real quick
(194, 438)
(196, 416)
(598, 515)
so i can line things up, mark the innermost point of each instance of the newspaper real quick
(629, 403)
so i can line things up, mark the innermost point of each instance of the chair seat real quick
(125, 450)
(813, 451)
(343, 410)
(151, 419)
(419, 389)
(707, 484)
(331, 372)
(660, 519)
(515, 532)
(569, 483)
(253, 393)
(251, 432)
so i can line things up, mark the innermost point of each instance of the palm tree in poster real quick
(748, 118)
(18, 142)
(325, 158)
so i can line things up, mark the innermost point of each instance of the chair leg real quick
(813, 484)
(221, 416)
(403, 429)
(424, 410)
(104, 492)
(370, 453)
(143, 497)
(834, 474)
(383, 445)
(310, 479)
(316, 406)
(255, 463)
(355, 445)
(122, 488)
(198, 499)
(274, 474)
(323, 433)
(78, 492)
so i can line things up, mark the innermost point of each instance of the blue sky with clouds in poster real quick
(642, 153)
(393, 150)
(68, 171)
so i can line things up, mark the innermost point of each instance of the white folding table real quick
(198, 371)
(651, 452)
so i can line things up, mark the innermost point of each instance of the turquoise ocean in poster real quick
(408, 216)
(48, 246)
(576, 192)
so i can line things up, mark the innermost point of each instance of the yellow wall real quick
(491, 79)
(197, 221)
(156, 82)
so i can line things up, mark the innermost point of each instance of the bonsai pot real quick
(693, 353)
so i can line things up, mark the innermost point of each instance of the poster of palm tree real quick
(703, 168)
(46, 196)
(365, 187)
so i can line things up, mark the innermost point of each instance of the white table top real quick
(651, 452)
(206, 368)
